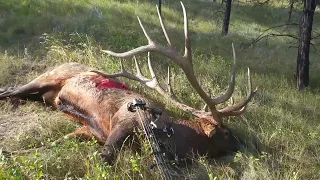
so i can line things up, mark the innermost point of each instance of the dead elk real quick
(99, 102)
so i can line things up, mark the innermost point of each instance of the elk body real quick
(99, 102)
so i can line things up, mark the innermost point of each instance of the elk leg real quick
(114, 143)
(31, 89)
(83, 133)
(34, 91)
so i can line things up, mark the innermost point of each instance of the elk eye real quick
(226, 134)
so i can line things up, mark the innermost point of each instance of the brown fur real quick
(104, 115)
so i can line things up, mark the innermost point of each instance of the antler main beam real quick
(185, 63)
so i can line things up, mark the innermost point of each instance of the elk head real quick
(210, 122)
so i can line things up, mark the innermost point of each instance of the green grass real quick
(281, 127)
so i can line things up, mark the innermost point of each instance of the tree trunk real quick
(291, 9)
(305, 29)
(159, 6)
(226, 20)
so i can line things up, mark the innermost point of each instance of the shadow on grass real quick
(114, 25)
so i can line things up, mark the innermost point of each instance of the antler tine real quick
(205, 107)
(187, 50)
(144, 31)
(240, 107)
(152, 83)
(152, 46)
(230, 90)
(153, 75)
(154, 79)
(123, 73)
(137, 67)
(163, 27)
(235, 113)
(138, 50)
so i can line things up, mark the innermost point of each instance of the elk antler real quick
(185, 63)
(153, 83)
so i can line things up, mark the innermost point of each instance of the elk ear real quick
(208, 129)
